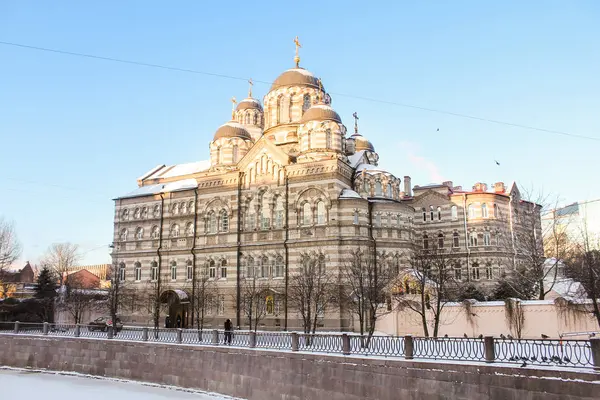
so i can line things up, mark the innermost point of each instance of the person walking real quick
(167, 322)
(228, 331)
(179, 321)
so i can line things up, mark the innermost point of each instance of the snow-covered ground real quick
(35, 385)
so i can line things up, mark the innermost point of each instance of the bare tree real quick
(60, 258)
(515, 316)
(312, 290)
(367, 287)
(428, 285)
(253, 297)
(205, 294)
(76, 298)
(10, 251)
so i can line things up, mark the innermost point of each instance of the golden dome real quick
(249, 103)
(232, 129)
(321, 112)
(360, 143)
(296, 77)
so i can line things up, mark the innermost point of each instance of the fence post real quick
(179, 335)
(295, 343)
(595, 345)
(16, 327)
(45, 328)
(109, 334)
(145, 334)
(77, 330)
(215, 337)
(252, 340)
(408, 347)
(490, 350)
(345, 344)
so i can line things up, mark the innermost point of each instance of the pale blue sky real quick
(77, 132)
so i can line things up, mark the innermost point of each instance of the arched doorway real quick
(177, 302)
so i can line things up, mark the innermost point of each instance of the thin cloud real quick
(422, 163)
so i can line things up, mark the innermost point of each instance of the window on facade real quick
(457, 272)
(279, 267)
(144, 212)
(138, 271)
(355, 220)
(153, 271)
(378, 189)
(280, 109)
(310, 138)
(125, 215)
(224, 221)
(431, 213)
(455, 240)
(475, 272)
(123, 235)
(250, 268)
(137, 214)
(439, 213)
(279, 213)
(321, 213)
(189, 229)
(328, 143)
(366, 187)
(235, 153)
(183, 208)
(223, 268)
(155, 232)
(173, 271)
(497, 239)
(175, 209)
(489, 272)
(496, 211)
(454, 211)
(221, 304)
(305, 103)
(473, 239)
(484, 210)
(122, 272)
(425, 241)
(212, 269)
(471, 210)
(139, 233)
(255, 120)
(440, 240)
(265, 221)
(389, 191)
(212, 222)
(399, 220)
(424, 214)
(378, 220)
(264, 267)
(306, 214)
(175, 231)
(487, 238)
(190, 271)
(156, 211)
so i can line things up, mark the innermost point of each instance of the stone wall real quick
(269, 375)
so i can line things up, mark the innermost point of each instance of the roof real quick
(176, 186)
(362, 143)
(356, 158)
(349, 194)
(321, 112)
(162, 171)
(296, 77)
(372, 169)
(249, 103)
(232, 129)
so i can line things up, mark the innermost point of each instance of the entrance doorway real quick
(177, 305)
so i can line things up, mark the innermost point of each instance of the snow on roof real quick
(177, 170)
(250, 100)
(301, 71)
(372, 169)
(349, 194)
(355, 158)
(176, 186)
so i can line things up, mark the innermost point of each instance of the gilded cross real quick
(297, 58)
(233, 103)
(250, 88)
(355, 115)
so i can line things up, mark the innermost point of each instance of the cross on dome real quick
(297, 58)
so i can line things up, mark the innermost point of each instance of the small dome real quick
(321, 112)
(249, 103)
(360, 143)
(296, 77)
(232, 129)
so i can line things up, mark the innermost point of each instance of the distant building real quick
(100, 270)
(576, 219)
(19, 284)
(83, 279)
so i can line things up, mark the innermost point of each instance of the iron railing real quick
(523, 352)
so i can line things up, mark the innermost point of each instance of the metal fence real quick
(523, 352)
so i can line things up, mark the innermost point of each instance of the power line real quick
(406, 105)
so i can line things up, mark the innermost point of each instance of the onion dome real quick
(296, 77)
(321, 112)
(232, 129)
(249, 103)
(360, 143)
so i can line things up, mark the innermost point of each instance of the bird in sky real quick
(497, 163)
(438, 129)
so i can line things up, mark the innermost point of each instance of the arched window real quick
(486, 238)
(484, 210)
(457, 272)
(290, 107)
(431, 213)
(137, 213)
(389, 190)
(156, 211)
(424, 214)
(255, 121)
(489, 272)
(306, 214)
(496, 211)
(355, 217)
(454, 212)
(125, 215)
(123, 235)
(190, 270)
(497, 238)
(367, 187)
(219, 155)
(279, 213)
(439, 213)
(223, 269)
(250, 268)
(144, 212)
(139, 233)
(265, 213)
(211, 222)
(309, 138)
(235, 153)
(475, 271)
(321, 264)
(175, 231)
(153, 271)
(264, 267)
(122, 272)
(473, 239)
(189, 229)
(471, 209)
(175, 208)
(328, 138)
(321, 213)
(174, 271)
(212, 269)
(305, 103)
(455, 239)
(425, 241)
(138, 271)
(378, 188)
(440, 240)
(279, 267)
(183, 208)
(191, 207)
(280, 109)
(155, 232)
(224, 221)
